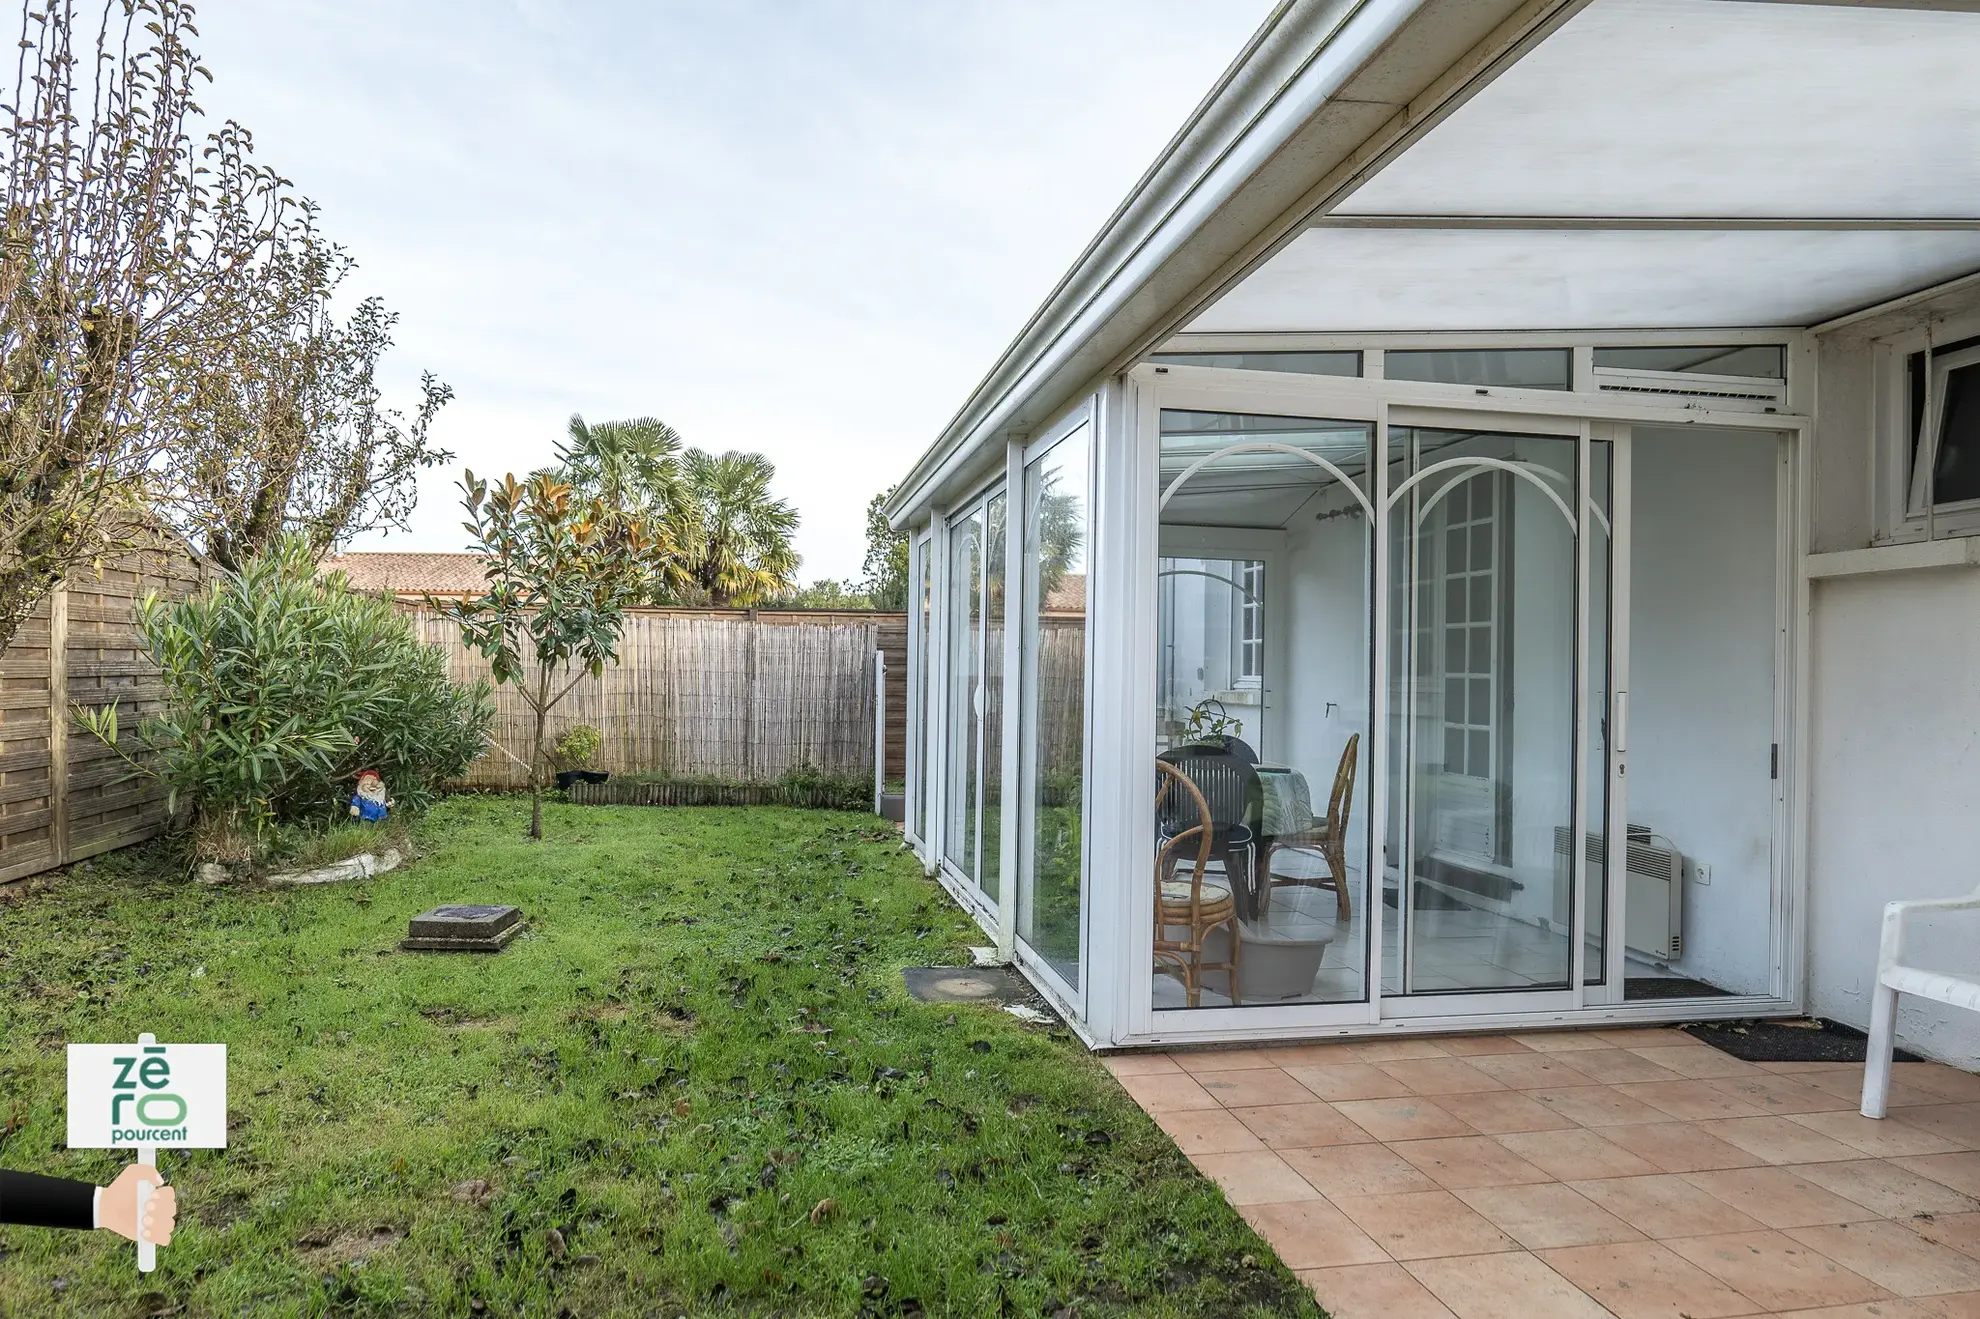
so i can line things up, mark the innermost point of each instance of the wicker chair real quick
(1227, 777)
(1327, 835)
(1196, 904)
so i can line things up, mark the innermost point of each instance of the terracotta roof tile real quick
(412, 574)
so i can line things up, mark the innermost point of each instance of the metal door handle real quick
(1621, 721)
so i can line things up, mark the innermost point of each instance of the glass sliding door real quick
(964, 697)
(920, 604)
(1050, 871)
(1263, 693)
(989, 867)
(973, 784)
(1483, 680)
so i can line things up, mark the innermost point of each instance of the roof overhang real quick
(1427, 166)
(1326, 91)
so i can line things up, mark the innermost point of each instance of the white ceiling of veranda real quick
(1662, 110)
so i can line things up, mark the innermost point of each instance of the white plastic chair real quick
(1894, 978)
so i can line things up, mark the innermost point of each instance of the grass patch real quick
(638, 1109)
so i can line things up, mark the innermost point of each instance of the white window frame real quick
(1925, 444)
(1900, 513)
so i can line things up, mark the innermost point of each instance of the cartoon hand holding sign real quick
(145, 1096)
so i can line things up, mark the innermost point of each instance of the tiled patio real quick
(1636, 1173)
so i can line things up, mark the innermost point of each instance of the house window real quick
(1470, 623)
(1945, 426)
(1250, 624)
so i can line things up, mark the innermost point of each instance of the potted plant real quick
(572, 755)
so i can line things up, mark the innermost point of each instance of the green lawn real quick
(701, 1040)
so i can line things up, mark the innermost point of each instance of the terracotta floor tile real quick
(1373, 1291)
(1596, 1105)
(1252, 1087)
(1960, 1305)
(1577, 1155)
(1515, 1286)
(1407, 1118)
(1959, 1171)
(1780, 1197)
(1348, 1080)
(1691, 1100)
(1529, 1070)
(1880, 1138)
(1310, 1055)
(1893, 1257)
(1895, 1307)
(1312, 1234)
(1300, 1126)
(1615, 1066)
(1562, 1041)
(1424, 1224)
(1495, 1111)
(1958, 1124)
(1139, 1064)
(1644, 1280)
(1440, 1076)
(1946, 1082)
(1167, 1091)
(1679, 1147)
(1383, 1051)
(1887, 1189)
(1775, 1270)
(1472, 1046)
(1781, 1095)
(1846, 1082)
(1960, 1231)
(1701, 1061)
(1198, 1061)
(1254, 1177)
(1643, 1037)
(1664, 1205)
(1465, 1161)
(1339, 1170)
(1780, 1140)
(1546, 1215)
(1206, 1131)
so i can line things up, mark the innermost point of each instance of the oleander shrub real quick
(281, 682)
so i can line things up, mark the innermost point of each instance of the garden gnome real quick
(369, 803)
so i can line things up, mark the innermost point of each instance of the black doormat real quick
(1642, 987)
(1805, 1040)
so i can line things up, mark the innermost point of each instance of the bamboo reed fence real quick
(738, 695)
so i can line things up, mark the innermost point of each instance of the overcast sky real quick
(803, 227)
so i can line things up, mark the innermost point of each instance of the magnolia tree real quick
(562, 570)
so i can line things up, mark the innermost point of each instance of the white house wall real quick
(1895, 764)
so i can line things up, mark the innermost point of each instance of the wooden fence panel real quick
(730, 694)
(63, 796)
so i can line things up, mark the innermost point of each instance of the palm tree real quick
(736, 538)
(633, 465)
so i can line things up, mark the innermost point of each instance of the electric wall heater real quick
(1653, 912)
